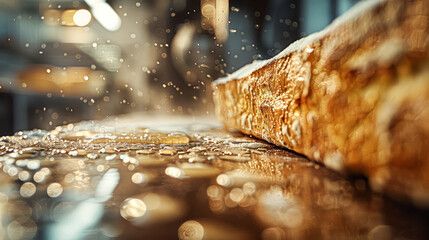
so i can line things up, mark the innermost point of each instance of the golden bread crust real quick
(356, 98)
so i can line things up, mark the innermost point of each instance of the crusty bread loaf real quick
(354, 97)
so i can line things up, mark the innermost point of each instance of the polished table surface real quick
(182, 178)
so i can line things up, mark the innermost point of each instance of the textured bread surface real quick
(354, 97)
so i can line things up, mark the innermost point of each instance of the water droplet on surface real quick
(195, 170)
(197, 159)
(167, 151)
(132, 208)
(13, 171)
(27, 189)
(236, 195)
(139, 178)
(249, 188)
(101, 168)
(54, 190)
(223, 180)
(191, 230)
(175, 172)
(254, 145)
(69, 178)
(235, 158)
(92, 156)
(148, 161)
(110, 157)
(24, 176)
(145, 151)
(39, 176)
(78, 152)
(215, 192)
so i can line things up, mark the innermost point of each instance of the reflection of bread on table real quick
(353, 96)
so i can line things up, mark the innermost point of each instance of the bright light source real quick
(105, 14)
(82, 17)
(216, 14)
(221, 22)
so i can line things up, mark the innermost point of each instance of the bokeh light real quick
(82, 17)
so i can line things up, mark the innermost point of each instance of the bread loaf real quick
(354, 97)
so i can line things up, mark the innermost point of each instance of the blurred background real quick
(64, 61)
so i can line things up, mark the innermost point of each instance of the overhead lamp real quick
(105, 14)
(82, 17)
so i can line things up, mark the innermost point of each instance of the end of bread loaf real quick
(354, 97)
